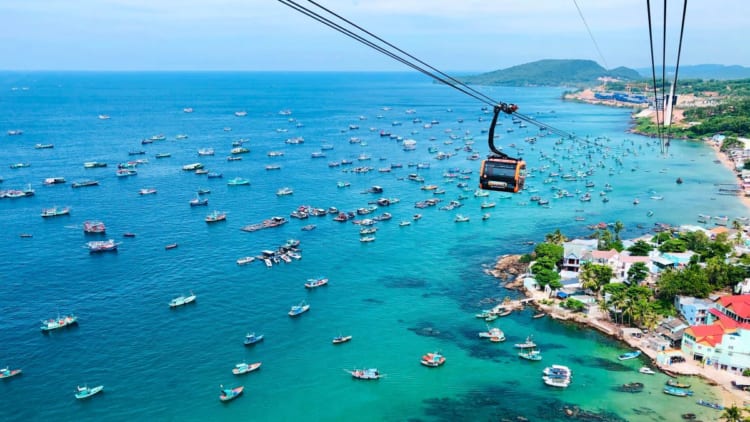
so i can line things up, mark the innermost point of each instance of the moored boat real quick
(712, 405)
(299, 309)
(228, 394)
(494, 334)
(98, 246)
(245, 260)
(678, 392)
(531, 354)
(8, 373)
(630, 355)
(216, 216)
(677, 384)
(244, 368)
(316, 282)
(55, 212)
(252, 338)
(84, 183)
(182, 300)
(341, 339)
(59, 322)
(197, 202)
(365, 374)
(528, 344)
(86, 392)
(238, 181)
(631, 387)
(432, 360)
(648, 371)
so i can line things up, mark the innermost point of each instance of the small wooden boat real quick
(8, 373)
(648, 371)
(182, 300)
(245, 260)
(712, 405)
(341, 339)
(244, 368)
(171, 246)
(677, 384)
(128, 234)
(503, 312)
(631, 387)
(86, 392)
(539, 315)
(528, 344)
(26, 235)
(432, 360)
(229, 394)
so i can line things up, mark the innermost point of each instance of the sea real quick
(415, 289)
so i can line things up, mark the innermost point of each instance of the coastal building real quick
(671, 331)
(574, 252)
(694, 310)
(724, 342)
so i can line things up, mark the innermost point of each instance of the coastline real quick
(508, 267)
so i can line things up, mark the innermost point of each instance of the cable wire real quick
(591, 34)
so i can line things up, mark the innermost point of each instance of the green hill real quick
(552, 73)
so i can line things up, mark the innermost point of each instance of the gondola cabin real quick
(502, 174)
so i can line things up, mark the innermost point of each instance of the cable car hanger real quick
(497, 166)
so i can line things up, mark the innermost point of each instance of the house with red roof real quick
(724, 342)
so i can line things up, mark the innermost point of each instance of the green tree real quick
(618, 227)
(545, 276)
(555, 252)
(673, 245)
(544, 262)
(637, 273)
(691, 281)
(640, 248)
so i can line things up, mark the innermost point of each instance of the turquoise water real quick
(414, 290)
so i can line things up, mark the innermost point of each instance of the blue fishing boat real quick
(630, 355)
(251, 339)
(229, 394)
(534, 355)
(299, 309)
(86, 392)
(678, 392)
(712, 405)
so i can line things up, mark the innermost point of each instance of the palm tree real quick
(732, 414)
(617, 301)
(736, 225)
(555, 237)
(618, 228)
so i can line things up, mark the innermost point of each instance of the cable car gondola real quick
(500, 172)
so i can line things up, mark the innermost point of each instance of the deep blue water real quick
(415, 289)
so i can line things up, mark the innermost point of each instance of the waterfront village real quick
(681, 296)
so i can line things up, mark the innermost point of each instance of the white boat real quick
(494, 334)
(245, 260)
(244, 368)
(182, 300)
(646, 370)
(86, 392)
(284, 191)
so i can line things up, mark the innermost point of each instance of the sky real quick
(450, 35)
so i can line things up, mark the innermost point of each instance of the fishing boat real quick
(648, 371)
(163, 155)
(205, 151)
(182, 300)
(316, 282)
(171, 246)
(98, 246)
(494, 334)
(229, 394)
(712, 405)
(147, 191)
(84, 183)
(192, 166)
(556, 382)
(678, 392)
(630, 355)
(528, 344)
(299, 309)
(244, 368)
(95, 227)
(8, 373)
(252, 338)
(461, 219)
(86, 392)
(59, 322)
(539, 315)
(238, 181)
(126, 172)
(55, 212)
(216, 216)
(677, 384)
(197, 202)
(432, 360)
(54, 180)
(366, 239)
(284, 191)
(484, 205)
(341, 339)
(534, 355)
(245, 260)
(365, 374)
(44, 146)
